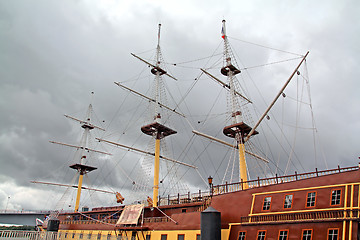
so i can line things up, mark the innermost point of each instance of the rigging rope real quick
(263, 46)
(195, 60)
(60, 204)
(271, 63)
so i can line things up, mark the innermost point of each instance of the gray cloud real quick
(53, 54)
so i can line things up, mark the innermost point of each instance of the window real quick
(181, 236)
(109, 236)
(261, 235)
(163, 236)
(283, 234)
(288, 201)
(81, 236)
(73, 235)
(311, 198)
(99, 236)
(267, 203)
(307, 234)
(148, 236)
(198, 237)
(335, 197)
(183, 210)
(333, 234)
(242, 235)
(89, 235)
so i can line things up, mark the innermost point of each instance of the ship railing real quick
(29, 235)
(104, 221)
(184, 198)
(232, 187)
(116, 208)
(347, 214)
(156, 219)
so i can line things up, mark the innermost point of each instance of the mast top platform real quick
(234, 129)
(156, 128)
(82, 168)
(229, 68)
(158, 70)
(88, 126)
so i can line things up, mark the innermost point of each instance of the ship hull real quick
(334, 211)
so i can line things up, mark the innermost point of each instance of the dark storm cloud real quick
(54, 53)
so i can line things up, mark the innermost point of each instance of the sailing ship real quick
(312, 205)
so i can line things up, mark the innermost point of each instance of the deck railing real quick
(156, 219)
(331, 215)
(184, 198)
(103, 221)
(232, 187)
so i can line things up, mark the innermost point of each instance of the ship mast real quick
(156, 129)
(238, 129)
(81, 167)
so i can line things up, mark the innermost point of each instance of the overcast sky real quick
(53, 54)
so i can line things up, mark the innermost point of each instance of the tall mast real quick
(81, 167)
(156, 129)
(238, 130)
